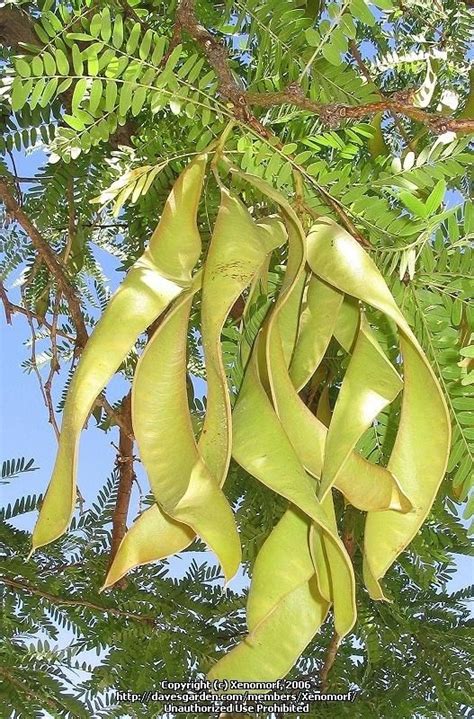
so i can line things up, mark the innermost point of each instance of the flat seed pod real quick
(237, 251)
(153, 536)
(282, 564)
(369, 385)
(181, 482)
(246, 255)
(262, 448)
(420, 454)
(318, 320)
(268, 652)
(283, 591)
(147, 290)
(268, 454)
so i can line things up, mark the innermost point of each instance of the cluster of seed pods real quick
(303, 568)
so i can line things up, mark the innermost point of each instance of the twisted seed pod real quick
(237, 251)
(283, 596)
(369, 385)
(153, 282)
(420, 453)
(317, 323)
(260, 443)
(239, 248)
(182, 483)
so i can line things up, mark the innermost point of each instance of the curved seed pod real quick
(237, 251)
(261, 444)
(262, 448)
(153, 536)
(318, 320)
(282, 564)
(365, 485)
(270, 233)
(283, 581)
(369, 385)
(153, 282)
(181, 482)
(268, 653)
(320, 561)
(420, 454)
(342, 583)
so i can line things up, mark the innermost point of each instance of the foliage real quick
(119, 108)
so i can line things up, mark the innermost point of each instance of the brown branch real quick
(7, 306)
(54, 367)
(55, 599)
(332, 113)
(50, 260)
(124, 463)
(329, 660)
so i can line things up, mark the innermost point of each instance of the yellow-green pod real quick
(318, 320)
(153, 536)
(282, 564)
(150, 286)
(369, 385)
(420, 454)
(283, 596)
(262, 448)
(182, 483)
(255, 241)
(268, 652)
(365, 485)
(321, 566)
(237, 251)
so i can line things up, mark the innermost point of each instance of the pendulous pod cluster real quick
(303, 569)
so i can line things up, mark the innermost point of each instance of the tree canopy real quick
(349, 114)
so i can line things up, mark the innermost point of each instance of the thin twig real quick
(54, 366)
(49, 258)
(8, 308)
(55, 599)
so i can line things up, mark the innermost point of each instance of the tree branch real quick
(331, 114)
(50, 260)
(55, 599)
(334, 113)
(124, 463)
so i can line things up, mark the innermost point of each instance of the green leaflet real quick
(369, 385)
(317, 324)
(421, 449)
(284, 610)
(183, 485)
(152, 283)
